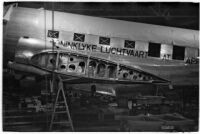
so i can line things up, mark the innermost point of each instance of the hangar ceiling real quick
(176, 14)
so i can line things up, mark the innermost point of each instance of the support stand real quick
(61, 110)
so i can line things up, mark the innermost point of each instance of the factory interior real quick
(30, 102)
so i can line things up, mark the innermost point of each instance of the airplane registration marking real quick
(166, 57)
(192, 60)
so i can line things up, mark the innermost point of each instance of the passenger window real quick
(154, 50)
(178, 53)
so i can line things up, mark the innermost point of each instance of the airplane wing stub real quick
(104, 81)
(87, 69)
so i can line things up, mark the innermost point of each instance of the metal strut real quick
(61, 109)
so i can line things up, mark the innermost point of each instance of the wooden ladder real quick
(64, 110)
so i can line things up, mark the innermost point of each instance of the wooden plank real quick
(99, 128)
(23, 123)
(25, 116)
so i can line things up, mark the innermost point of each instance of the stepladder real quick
(61, 119)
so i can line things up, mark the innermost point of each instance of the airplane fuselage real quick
(29, 31)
